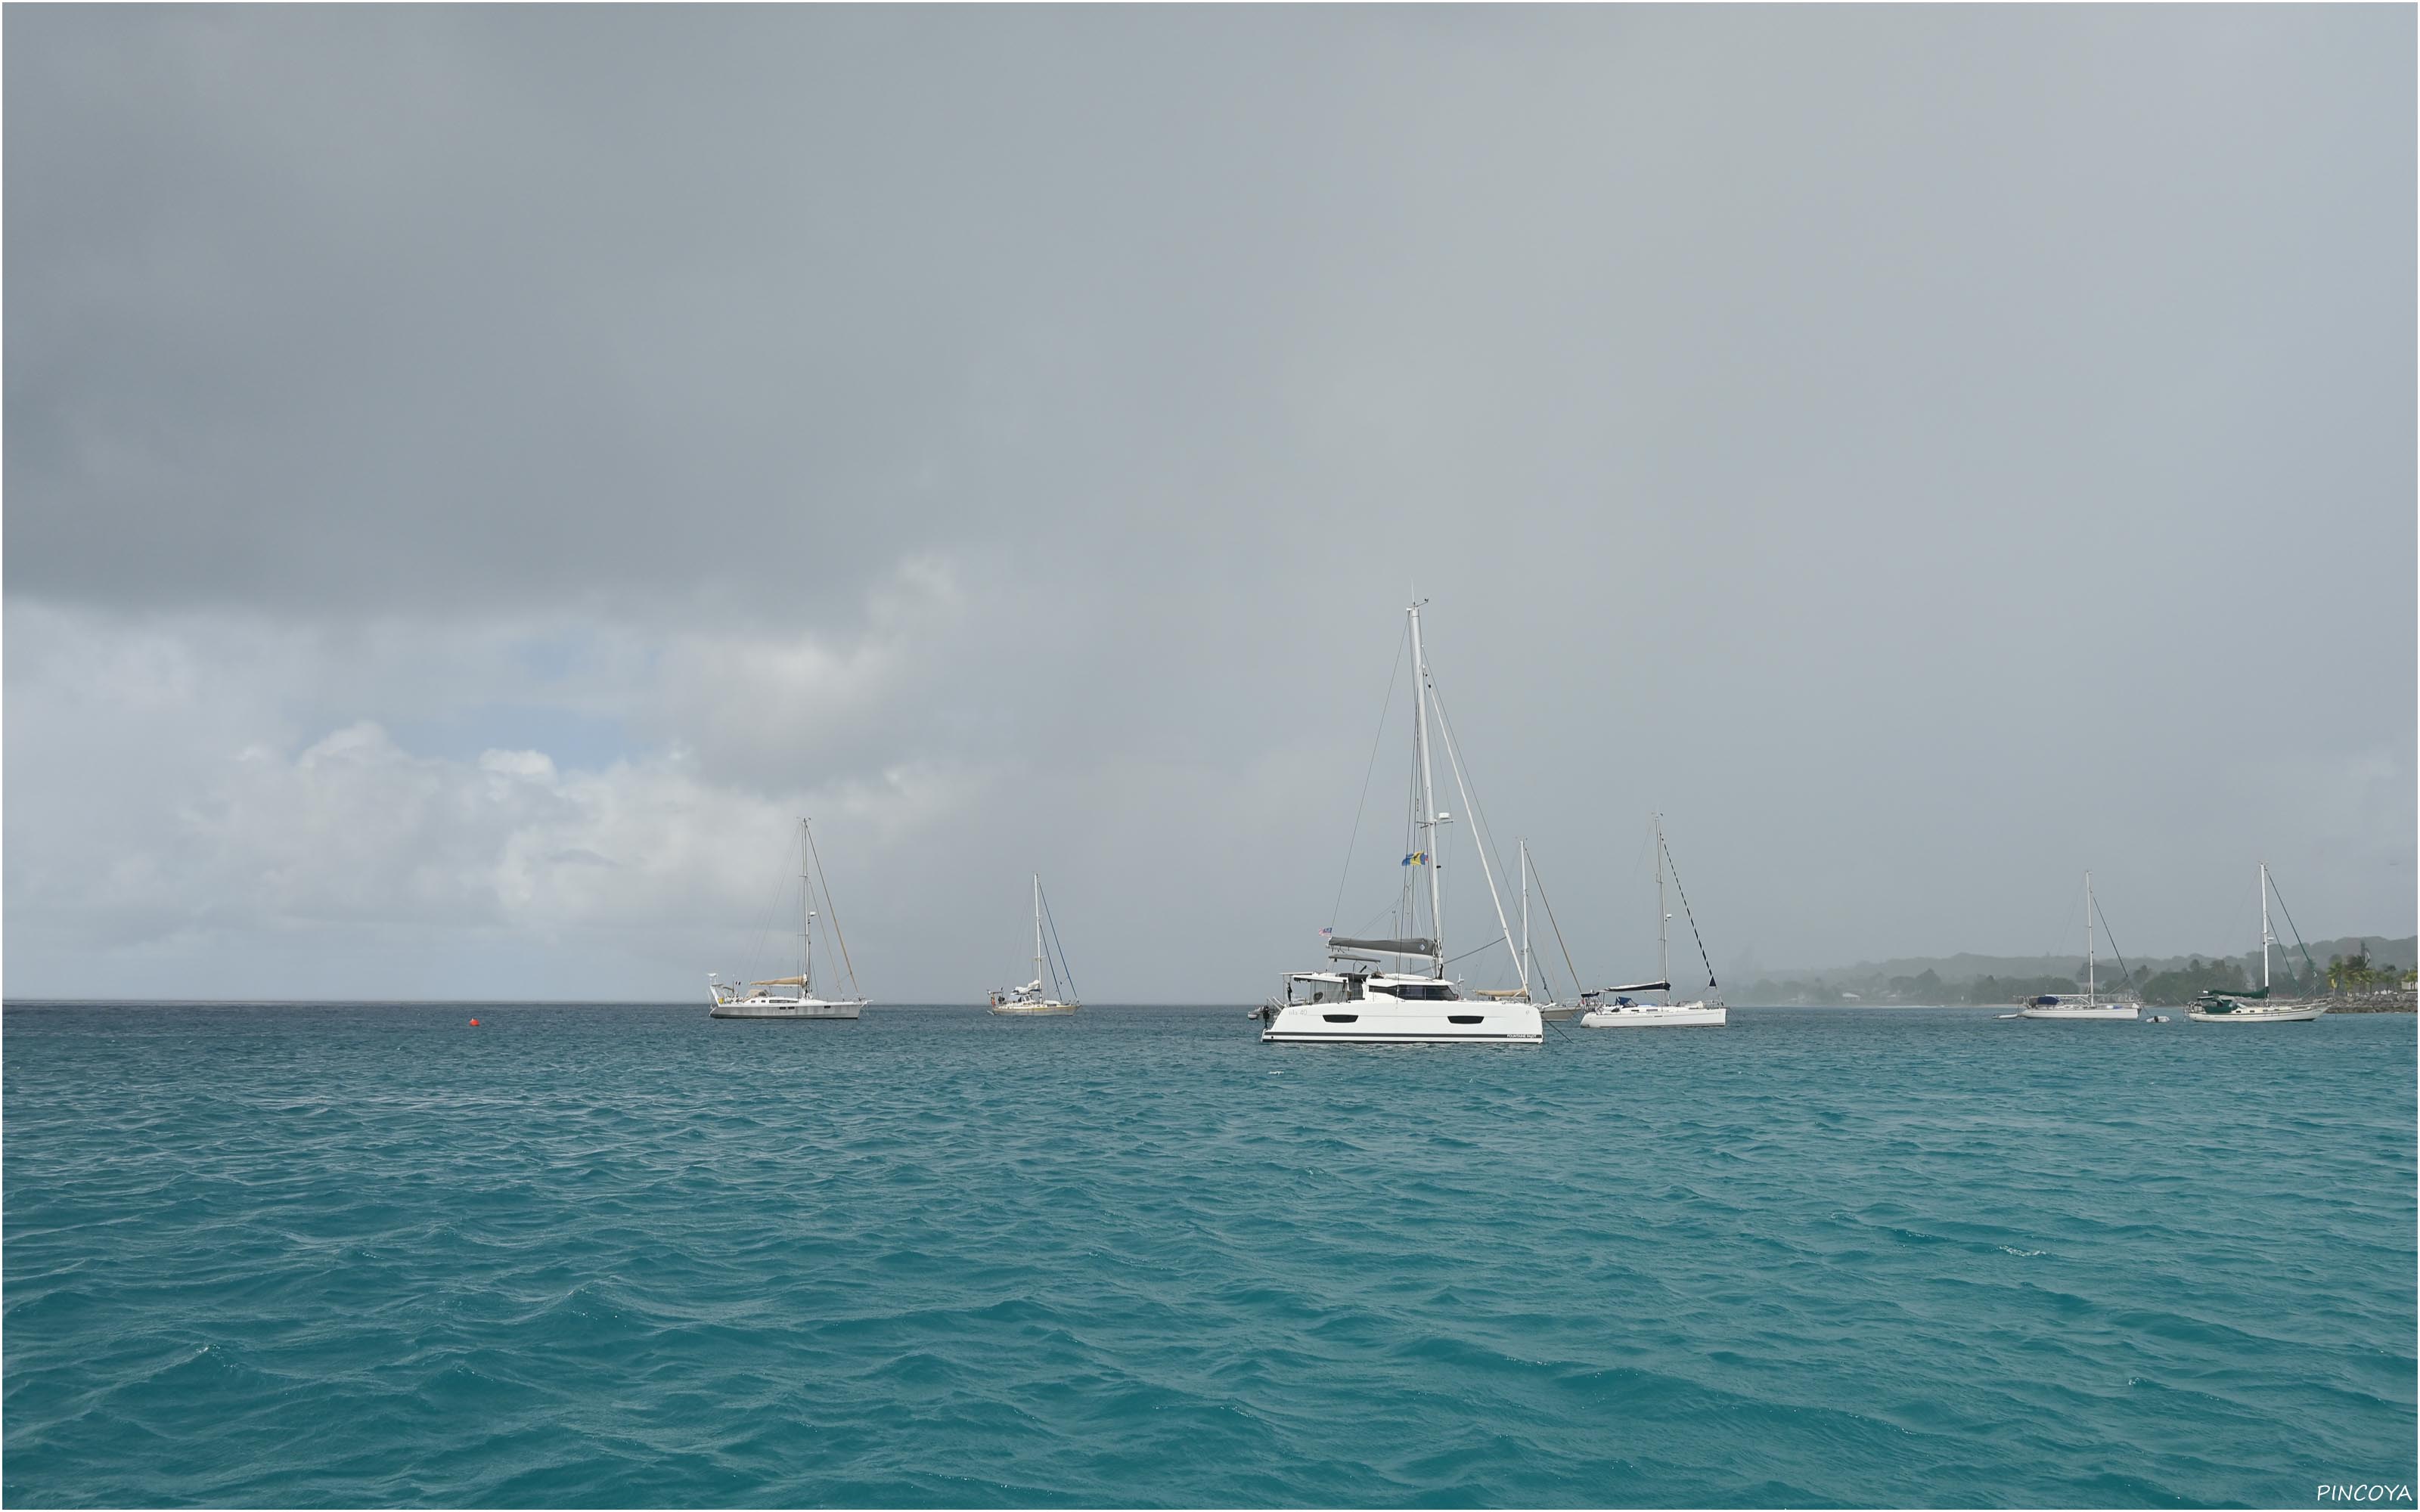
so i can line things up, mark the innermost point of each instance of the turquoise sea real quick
(344, 1256)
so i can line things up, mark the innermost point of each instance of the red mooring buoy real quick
(474, 1024)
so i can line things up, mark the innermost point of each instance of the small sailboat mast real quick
(1426, 824)
(2268, 936)
(806, 916)
(2092, 963)
(1663, 918)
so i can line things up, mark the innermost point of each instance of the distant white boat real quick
(2221, 1008)
(1353, 1003)
(791, 998)
(1617, 1008)
(2216, 1007)
(1032, 1000)
(1626, 1012)
(2090, 1005)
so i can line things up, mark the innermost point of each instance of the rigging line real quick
(1540, 883)
(760, 949)
(2113, 941)
(1692, 918)
(1051, 922)
(1387, 915)
(1481, 833)
(1367, 773)
(2289, 921)
(854, 989)
(1545, 976)
(1475, 949)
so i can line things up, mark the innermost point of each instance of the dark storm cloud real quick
(1889, 439)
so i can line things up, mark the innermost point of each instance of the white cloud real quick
(169, 804)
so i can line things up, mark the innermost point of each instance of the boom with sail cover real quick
(1427, 948)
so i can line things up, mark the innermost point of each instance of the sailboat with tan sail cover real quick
(793, 998)
(1033, 999)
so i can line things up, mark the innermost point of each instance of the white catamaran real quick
(2090, 1005)
(1615, 1008)
(1353, 1002)
(1032, 1000)
(792, 997)
(2257, 1007)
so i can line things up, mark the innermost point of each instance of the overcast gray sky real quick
(475, 475)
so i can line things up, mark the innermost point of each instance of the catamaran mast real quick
(806, 915)
(1037, 927)
(1426, 825)
(1479, 839)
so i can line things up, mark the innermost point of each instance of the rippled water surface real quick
(613, 1255)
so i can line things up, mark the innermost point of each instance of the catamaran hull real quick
(2096, 1011)
(1560, 1012)
(1027, 1010)
(762, 1008)
(1652, 1017)
(2296, 1013)
(1443, 1023)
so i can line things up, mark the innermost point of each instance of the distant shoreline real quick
(2405, 1005)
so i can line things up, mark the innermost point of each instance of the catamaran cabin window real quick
(1419, 992)
(1312, 990)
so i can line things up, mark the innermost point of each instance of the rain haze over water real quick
(475, 477)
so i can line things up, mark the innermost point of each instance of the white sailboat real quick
(1615, 1008)
(2049, 1006)
(2215, 1006)
(1032, 1000)
(1531, 983)
(1352, 1002)
(792, 997)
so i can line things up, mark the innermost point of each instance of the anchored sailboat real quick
(792, 997)
(1032, 1000)
(2090, 1006)
(2216, 1007)
(1353, 1001)
(1534, 988)
(1615, 1008)
(1531, 982)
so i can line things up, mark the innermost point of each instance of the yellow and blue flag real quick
(1416, 858)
